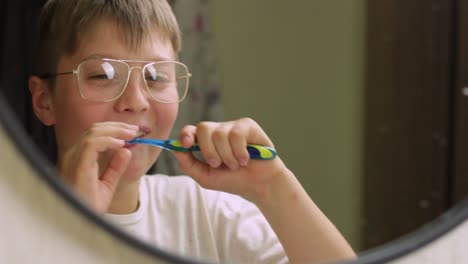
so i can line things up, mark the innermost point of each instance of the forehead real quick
(107, 39)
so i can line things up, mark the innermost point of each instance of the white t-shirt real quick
(177, 215)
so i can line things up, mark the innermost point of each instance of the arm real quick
(304, 231)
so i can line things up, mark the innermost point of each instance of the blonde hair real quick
(63, 22)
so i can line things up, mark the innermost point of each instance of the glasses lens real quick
(101, 80)
(167, 81)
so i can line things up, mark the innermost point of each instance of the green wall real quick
(296, 67)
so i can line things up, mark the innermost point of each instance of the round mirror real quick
(363, 105)
(13, 134)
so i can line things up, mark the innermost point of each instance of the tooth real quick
(140, 133)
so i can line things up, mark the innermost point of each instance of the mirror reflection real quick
(341, 118)
(106, 75)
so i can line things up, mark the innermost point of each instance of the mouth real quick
(143, 131)
(140, 134)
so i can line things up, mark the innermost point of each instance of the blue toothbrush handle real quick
(257, 152)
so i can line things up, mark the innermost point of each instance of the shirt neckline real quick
(132, 218)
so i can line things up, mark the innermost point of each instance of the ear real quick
(42, 100)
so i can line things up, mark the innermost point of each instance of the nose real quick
(135, 97)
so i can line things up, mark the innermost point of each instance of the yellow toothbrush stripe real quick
(176, 143)
(265, 153)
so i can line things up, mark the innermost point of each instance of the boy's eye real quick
(99, 77)
(151, 77)
(96, 70)
(155, 78)
(158, 79)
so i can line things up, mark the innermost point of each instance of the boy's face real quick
(73, 114)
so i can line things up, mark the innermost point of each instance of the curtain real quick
(198, 53)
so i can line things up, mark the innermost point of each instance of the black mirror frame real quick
(32, 154)
(388, 252)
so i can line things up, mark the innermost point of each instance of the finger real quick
(116, 168)
(207, 148)
(117, 124)
(237, 140)
(187, 135)
(91, 148)
(116, 130)
(223, 146)
(253, 132)
(196, 169)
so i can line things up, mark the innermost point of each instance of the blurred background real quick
(298, 70)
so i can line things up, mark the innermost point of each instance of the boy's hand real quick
(228, 166)
(267, 183)
(86, 166)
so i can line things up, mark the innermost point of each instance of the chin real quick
(134, 173)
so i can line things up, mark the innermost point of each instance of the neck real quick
(126, 199)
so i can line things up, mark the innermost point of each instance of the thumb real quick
(193, 167)
(116, 168)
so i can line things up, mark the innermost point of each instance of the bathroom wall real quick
(296, 67)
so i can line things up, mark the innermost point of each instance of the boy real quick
(107, 73)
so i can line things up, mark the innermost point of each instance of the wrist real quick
(283, 186)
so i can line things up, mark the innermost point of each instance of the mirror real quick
(325, 75)
(39, 195)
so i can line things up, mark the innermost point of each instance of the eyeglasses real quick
(105, 80)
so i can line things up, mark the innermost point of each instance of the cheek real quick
(72, 125)
(73, 119)
(166, 115)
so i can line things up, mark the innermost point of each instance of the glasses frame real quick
(76, 72)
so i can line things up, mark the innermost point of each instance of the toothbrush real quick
(257, 152)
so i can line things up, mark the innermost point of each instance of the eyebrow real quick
(108, 56)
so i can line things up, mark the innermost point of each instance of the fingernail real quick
(133, 132)
(186, 140)
(233, 166)
(214, 163)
